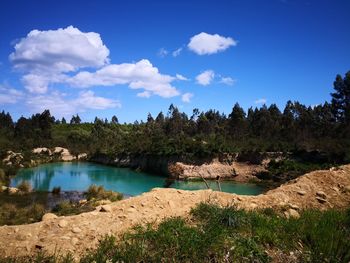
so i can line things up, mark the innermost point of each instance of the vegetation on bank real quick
(216, 234)
(28, 206)
(98, 193)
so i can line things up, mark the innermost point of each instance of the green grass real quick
(225, 234)
(96, 193)
(70, 208)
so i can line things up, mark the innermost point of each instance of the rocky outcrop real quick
(43, 150)
(13, 159)
(183, 168)
(242, 172)
(59, 153)
(78, 233)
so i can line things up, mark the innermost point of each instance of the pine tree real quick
(341, 98)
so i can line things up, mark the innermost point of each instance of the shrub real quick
(11, 214)
(70, 208)
(24, 187)
(99, 193)
(65, 208)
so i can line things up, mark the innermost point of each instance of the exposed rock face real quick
(64, 153)
(210, 171)
(178, 168)
(61, 153)
(78, 233)
(43, 150)
(238, 171)
(13, 158)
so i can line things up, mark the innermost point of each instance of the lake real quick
(78, 176)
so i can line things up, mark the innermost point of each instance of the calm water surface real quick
(78, 176)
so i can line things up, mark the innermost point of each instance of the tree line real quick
(324, 128)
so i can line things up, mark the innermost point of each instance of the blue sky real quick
(248, 51)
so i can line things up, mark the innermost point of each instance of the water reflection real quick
(79, 176)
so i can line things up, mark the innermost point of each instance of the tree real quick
(75, 119)
(78, 141)
(341, 98)
(160, 118)
(63, 121)
(115, 120)
(237, 121)
(6, 121)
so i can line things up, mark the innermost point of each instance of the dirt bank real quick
(320, 189)
(177, 167)
(238, 171)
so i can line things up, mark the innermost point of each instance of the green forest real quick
(324, 128)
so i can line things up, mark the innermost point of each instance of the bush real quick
(99, 193)
(70, 208)
(11, 214)
(24, 187)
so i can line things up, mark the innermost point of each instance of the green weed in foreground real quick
(99, 193)
(216, 234)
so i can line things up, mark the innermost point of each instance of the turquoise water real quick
(78, 176)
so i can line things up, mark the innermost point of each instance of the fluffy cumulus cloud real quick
(60, 56)
(139, 75)
(260, 101)
(9, 95)
(186, 97)
(61, 50)
(68, 57)
(60, 106)
(205, 78)
(227, 81)
(44, 55)
(206, 44)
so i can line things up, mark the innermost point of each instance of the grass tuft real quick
(99, 193)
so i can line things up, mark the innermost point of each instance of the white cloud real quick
(186, 97)
(59, 106)
(9, 95)
(162, 52)
(77, 59)
(205, 78)
(144, 94)
(61, 50)
(206, 44)
(139, 75)
(227, 81)
(177, 52)
(260, 101)
(181, 77)
(44, 55)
